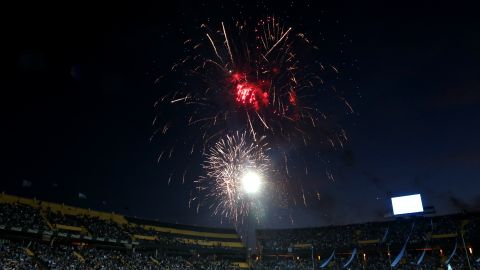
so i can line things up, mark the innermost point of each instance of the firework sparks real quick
(256, 78)
(258, 73)
(231, 162)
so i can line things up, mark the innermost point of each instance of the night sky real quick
(78, 95)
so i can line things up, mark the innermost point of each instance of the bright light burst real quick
(236, 168)
(251, 182)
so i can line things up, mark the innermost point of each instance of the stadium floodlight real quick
(407, 204)
(251, 182)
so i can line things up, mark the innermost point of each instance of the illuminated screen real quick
(407, 204)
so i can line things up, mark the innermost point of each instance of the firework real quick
(264, 79)
(228, 163)
(261, 77)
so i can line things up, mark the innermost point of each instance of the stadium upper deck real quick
(23, 215)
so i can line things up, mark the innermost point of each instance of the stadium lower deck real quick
(42, 235)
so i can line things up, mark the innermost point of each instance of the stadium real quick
(235, 135)
(42, 235)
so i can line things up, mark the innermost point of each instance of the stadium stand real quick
(41, 235)
(415, 242)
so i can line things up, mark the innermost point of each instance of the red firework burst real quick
(247, 93)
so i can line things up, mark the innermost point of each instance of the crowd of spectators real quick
(282, 263)
(389, 235)
(166, 239)
(56, 257)
(371, 230)
(21, 216)
(95, 226)
(161, 238)
(27, 217)
(372, 261)
(445, 225)
(115, 259)
(53, 256)
(32, 255)
(472, 229)
(14, 257)
(417, 230)
(442, 231)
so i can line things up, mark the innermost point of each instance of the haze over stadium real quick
(205, 126)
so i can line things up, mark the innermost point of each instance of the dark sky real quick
(78, 95)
